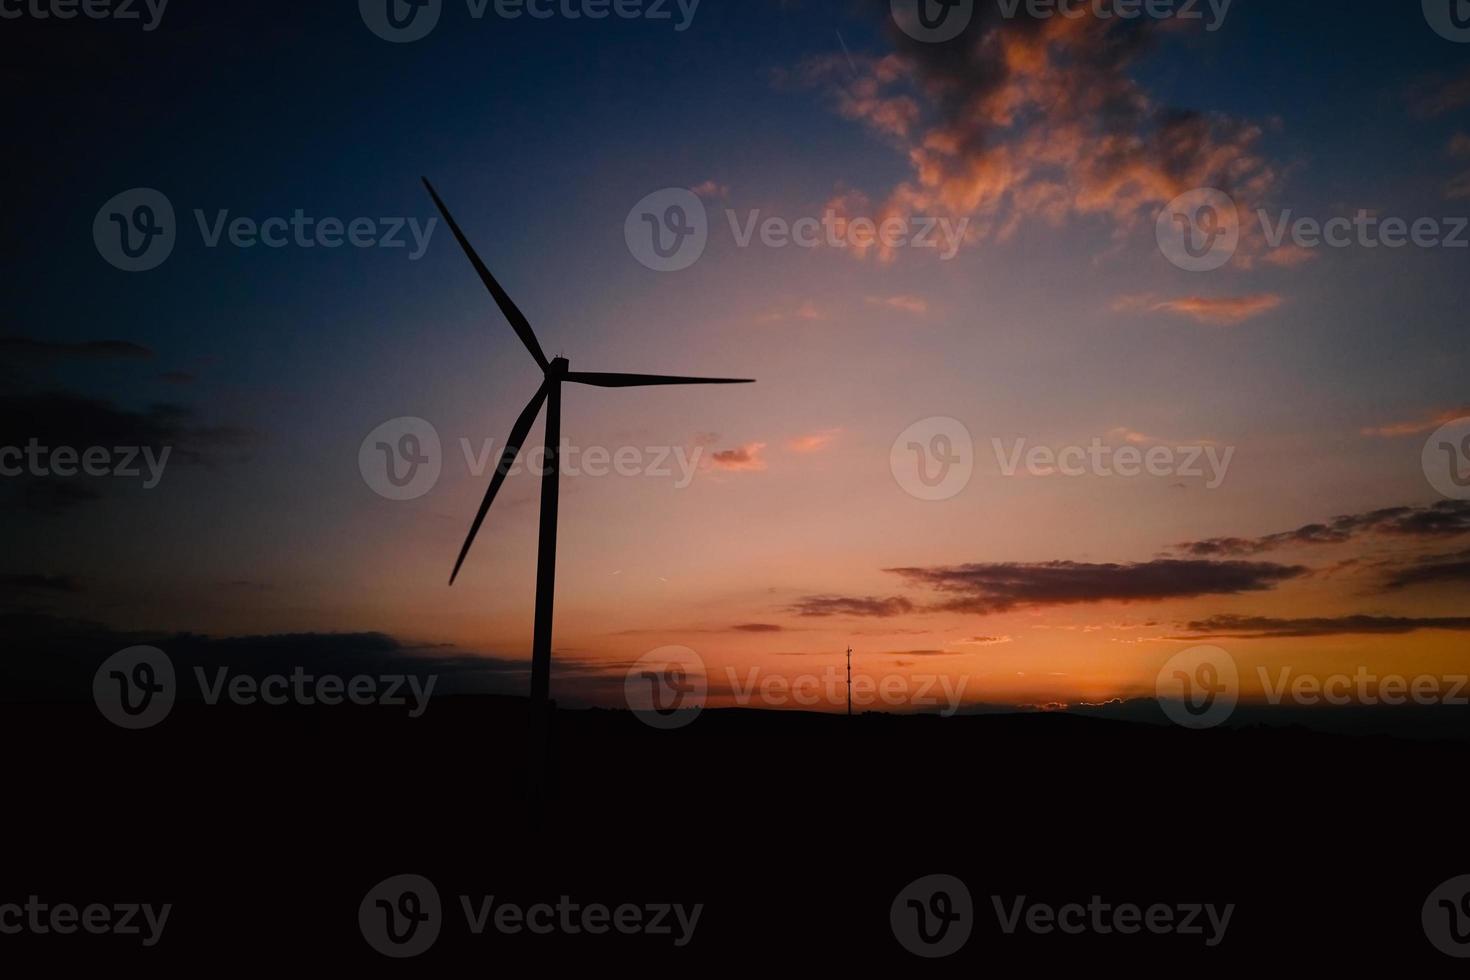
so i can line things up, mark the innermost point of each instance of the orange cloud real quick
(746, 458)
(1416, 427)
(815, 442)
(1128, 435)
(1219, 310)
(711, 189)
(1040, 120)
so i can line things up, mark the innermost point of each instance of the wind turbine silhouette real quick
(556, 372)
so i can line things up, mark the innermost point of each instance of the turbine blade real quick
(508, 455)
(517, 319)
(602, 380)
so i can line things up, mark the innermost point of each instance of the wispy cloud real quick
(916, 305)
(1413, 427)
(813, 442)
(806, 311)
(1214, 310)
(1445, 518)
(994, 587)
(1263, 627)
(830, 605)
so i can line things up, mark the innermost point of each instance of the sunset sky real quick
(1058, 322)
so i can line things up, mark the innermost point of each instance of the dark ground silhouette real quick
(265, 827)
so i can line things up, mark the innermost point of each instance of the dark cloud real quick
(31, 351)
(49, 657)
(52, 420)
(1445, 518)
(49, 498)
(1000, 587)
(831, 605)
(64, 419)
(757, 628)
(1436, 95)
(19, 584)
(1261, 627)
(1431, 570)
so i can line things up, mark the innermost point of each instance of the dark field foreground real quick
(266, 828)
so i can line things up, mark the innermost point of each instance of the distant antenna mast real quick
(849, 680)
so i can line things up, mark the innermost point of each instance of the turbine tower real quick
(849, 680)
(555, 373)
